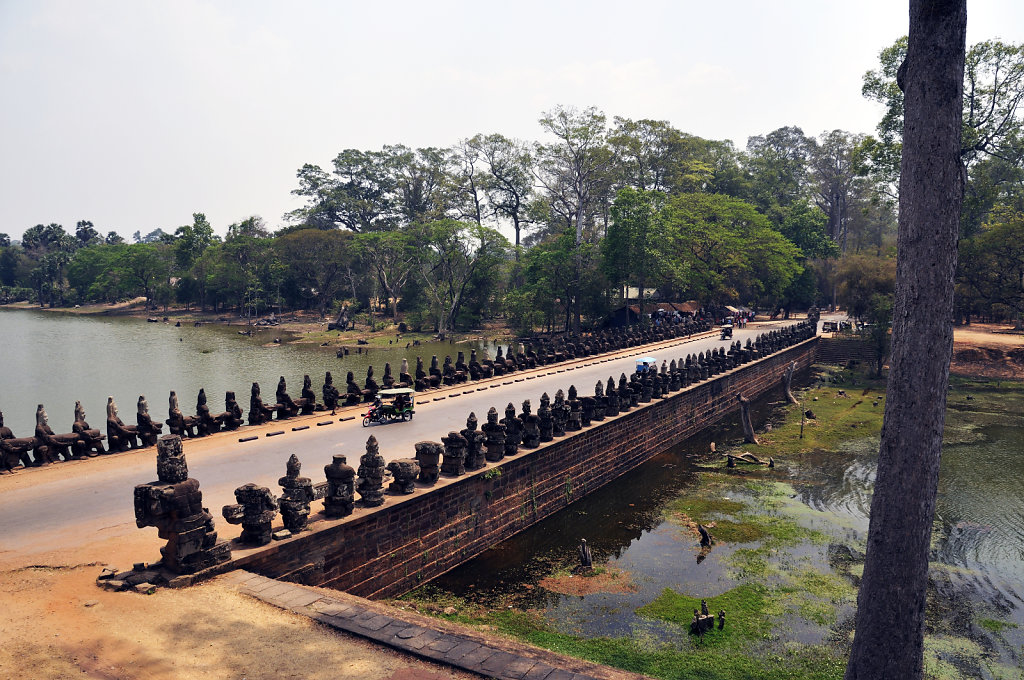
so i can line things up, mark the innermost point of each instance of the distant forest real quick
(602, 212)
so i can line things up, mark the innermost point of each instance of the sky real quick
(135, 114)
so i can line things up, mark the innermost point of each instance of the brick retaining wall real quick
(839, 350)
(390, 550)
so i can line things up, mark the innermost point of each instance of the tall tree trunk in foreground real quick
(889, 637)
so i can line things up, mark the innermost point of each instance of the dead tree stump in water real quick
(748, 429)
(787, 383)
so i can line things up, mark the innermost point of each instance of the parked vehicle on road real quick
(391, 405)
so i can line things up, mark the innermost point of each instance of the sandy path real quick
(57, 624)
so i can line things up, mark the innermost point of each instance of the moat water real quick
(55, 359)
(978, 545)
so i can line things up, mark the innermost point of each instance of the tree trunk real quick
(748, 428)
(889, 636)
(787, 383)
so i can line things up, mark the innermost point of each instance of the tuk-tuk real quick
(644, 364)
(727, 330)
(391, 405)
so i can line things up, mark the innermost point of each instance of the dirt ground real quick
(988, 350)
(610, 581)
(57, 624)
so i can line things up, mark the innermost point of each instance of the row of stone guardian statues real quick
(473, 447)
(47, 447)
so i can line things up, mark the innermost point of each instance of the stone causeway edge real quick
(421, 636)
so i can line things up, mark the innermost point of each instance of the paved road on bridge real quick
(96, 495)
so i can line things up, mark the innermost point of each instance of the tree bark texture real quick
(748, 428)
(891, 604)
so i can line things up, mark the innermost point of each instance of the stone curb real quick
(420, 636)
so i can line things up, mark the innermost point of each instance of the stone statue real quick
(341, 494)
(530, 427)
(427, 455)
(454, 460)
(559, 414)
(255, 510)
(600, 401)
(612, 397)
(545, 422)
(494, 434)
(173, 505)
(49, 445)
(286, 408)
(176, 421)
(297, 493)
(330, 393)
(259, 412)
(474, 444)
(147, 429)
(404, 379)
(13, 449)
(513, 430)
(403, 473)
(575, 422)
(233, 412)
(371, 388)
(206, 422)
(371, 475)
(353, 393)
(120, 437)
(90, 441)
(307, 400)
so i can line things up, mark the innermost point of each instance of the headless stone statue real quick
(403, 473)
(428, 455)
(454, 461)
(255, 509)
(341, 495)
(173, 505)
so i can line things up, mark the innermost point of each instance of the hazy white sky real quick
(135, 114)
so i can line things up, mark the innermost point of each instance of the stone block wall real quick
(394, 548)
(839, 350)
